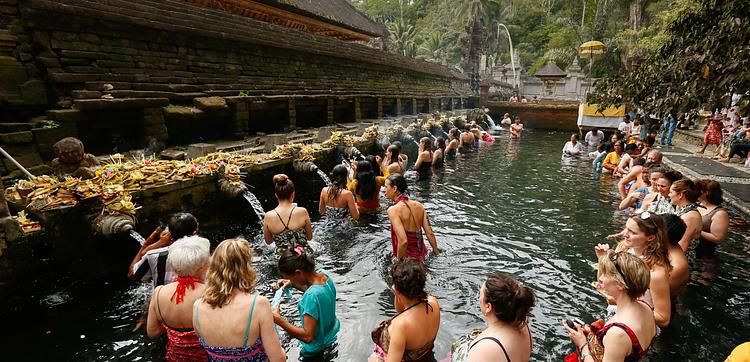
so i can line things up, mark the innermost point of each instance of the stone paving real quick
(734, 176)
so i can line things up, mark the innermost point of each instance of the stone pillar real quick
(324, 133)
(380, 107)
(200, 149)
(272, 140)
(241, 119)
(451, 107)
(155, 129)
(399, 111)
(357, 109)
(329, 111)
(292, 109)
(414, 106)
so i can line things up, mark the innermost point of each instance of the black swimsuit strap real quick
(286, 226)
(428, 308)
(158, 309)
(507, 358)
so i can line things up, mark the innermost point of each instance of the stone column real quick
(380, 107)
(414, 106)
(357, 109)
(154, 128)
(451, 107)
(399, 111)
(292, 109)
(329, 111)
(241, 119)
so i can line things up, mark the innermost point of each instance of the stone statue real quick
(71, 160)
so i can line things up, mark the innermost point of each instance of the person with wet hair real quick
(648, 177)
(454, 142)
(150, 263)
(373, 160)
(439, 154)
(287, 225)
(645, 236)
(233, 322)
(714, 217)
(366, 187)
(336, 201)
(409, 335)
(395, 161)
(684, 196)
(680, 273)
(171, 306)
(628, 335)
(317, 308)
(506, 306)
(467, 139)
(424, 156)
(573, 148)
(408, 219)
(516, 129)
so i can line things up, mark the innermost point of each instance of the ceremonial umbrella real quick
(591, 50)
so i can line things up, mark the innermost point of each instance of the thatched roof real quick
(339, 12)
(550, 70)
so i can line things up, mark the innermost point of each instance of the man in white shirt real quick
(593, 138)
(573, 148)
(625, 126)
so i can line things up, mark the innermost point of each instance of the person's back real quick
(336, 201)
(516, 343)
(419, 325)
(467, 139)
(277, 219)
(287, 225)
(639, 320)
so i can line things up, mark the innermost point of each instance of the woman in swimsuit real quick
(171, 307)
(680, 273)
(629, 333)
(452, 147)
(335, 200)
(366, 187)
(505, 305)
(424, 157)
(317, 308)
(684, 196)
(715, 218)
(233, 322)
(467, 139)
(408, 219)
(645, 236)
(287, 225)
(408, 336)
(439, 154)
(393, 162)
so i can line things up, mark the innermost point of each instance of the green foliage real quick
(703, 52)
(50, 124)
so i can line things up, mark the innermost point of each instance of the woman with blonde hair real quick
(629, 333)
(287, 225)
(171, 306)
(233, 322)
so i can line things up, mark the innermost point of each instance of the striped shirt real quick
(153, 266)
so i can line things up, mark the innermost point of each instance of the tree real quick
(402, 37)
(704, 52)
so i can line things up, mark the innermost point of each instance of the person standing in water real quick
(516, 128)
(317, 308)
(408, 219)
(287, 225)
(335, 200)
(424, 158)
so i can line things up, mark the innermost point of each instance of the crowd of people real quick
(208, 306)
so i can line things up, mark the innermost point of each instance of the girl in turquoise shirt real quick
(317, 308)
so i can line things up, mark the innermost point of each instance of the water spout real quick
(324, 177)
(255, 203)
(137, 237)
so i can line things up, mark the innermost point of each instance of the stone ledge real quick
(101, 104)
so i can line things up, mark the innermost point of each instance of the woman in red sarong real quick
(713, 133)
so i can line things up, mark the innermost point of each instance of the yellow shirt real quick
(740, 354)
(612, 159)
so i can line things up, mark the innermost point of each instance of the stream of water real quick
(511, 207)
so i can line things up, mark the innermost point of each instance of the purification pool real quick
(513, 207)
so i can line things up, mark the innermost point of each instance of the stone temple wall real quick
(182, 73)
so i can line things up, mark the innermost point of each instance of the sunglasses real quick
(613, 258)
(645, 215)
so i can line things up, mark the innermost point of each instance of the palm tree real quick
(401, 36)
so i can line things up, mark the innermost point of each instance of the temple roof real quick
(550, 70)
(337, 11)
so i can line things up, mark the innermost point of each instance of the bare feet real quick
(724, 160)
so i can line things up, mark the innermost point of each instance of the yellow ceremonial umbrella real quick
(591, 50)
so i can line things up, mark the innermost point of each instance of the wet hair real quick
(627, 270)
(711, 190)
(338, 181)
(296, 259)
(671, 175)
(639, 161)
(630, 147)
(374, 163)
(425, 142)
(230, 268)
(399, 181)
(283, 186)
(656, 251)
(675, 228)
(441, 143)
(182, 224)
(366, 187)
(398, 145)
(454, 132)
(688, 188)
(188, 255)
(650, 140)
(600, 147)
(395, 151)
(511, 301)
(409, 277)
